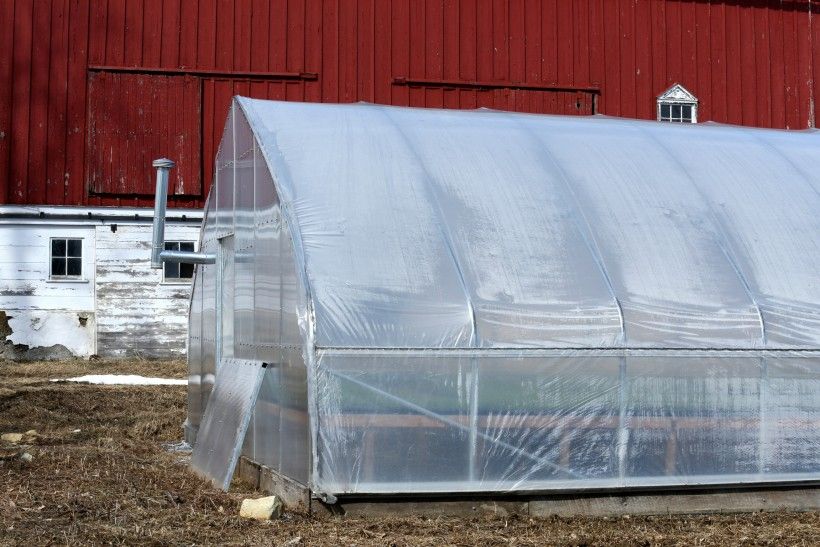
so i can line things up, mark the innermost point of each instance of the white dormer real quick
(677, 104)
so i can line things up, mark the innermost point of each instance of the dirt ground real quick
(102, 473)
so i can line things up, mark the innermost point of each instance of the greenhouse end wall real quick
(254, 314)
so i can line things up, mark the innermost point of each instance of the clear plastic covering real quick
(429, 228)
(509, 420)
(486, 301)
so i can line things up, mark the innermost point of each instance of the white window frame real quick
(177, 280)
(66, 278)
(677, 95)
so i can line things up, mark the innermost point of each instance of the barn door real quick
(135, 117)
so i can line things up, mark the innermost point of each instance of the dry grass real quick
(112, 482)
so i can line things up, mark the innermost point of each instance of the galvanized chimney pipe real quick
(162, 165)
(158, 252)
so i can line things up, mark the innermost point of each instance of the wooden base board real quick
(293, 494)
(723, 500)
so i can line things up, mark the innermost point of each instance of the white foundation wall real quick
(121, 307)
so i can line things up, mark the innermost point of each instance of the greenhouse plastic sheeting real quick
(485, 301)
(462, 421)
(429, 228)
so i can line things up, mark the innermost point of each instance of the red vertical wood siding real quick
(752, 62)
(124, 139)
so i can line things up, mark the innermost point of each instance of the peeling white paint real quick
(45, 328)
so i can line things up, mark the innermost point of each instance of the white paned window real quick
(66, 258)
(677, 105)
(174, 271)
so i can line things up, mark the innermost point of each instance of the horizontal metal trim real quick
(616, 352)
(207, 73)
(177, 198)
(457, 84)
(591, 488)
(67, 212)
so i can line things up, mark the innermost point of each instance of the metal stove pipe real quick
(158, 252)
(163, 166)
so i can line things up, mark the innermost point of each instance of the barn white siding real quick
(120, 307)
(139, 313)
(41, 313)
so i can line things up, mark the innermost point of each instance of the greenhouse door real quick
(225, 299)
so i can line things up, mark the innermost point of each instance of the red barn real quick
(91, 91)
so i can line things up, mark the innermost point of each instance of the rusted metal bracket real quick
(208, 73)
(485, 85)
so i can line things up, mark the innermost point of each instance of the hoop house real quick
(454, 302)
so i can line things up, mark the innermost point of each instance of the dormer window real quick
(677, 105)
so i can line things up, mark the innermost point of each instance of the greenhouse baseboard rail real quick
(595, 486)
(545, 350)
(571, 501)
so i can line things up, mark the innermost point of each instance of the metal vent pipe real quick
(163, 166)
(158, 252)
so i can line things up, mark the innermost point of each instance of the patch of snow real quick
(179, 446)
(123, 380)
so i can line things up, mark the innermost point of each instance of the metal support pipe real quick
(187, 257)
(162, 165)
